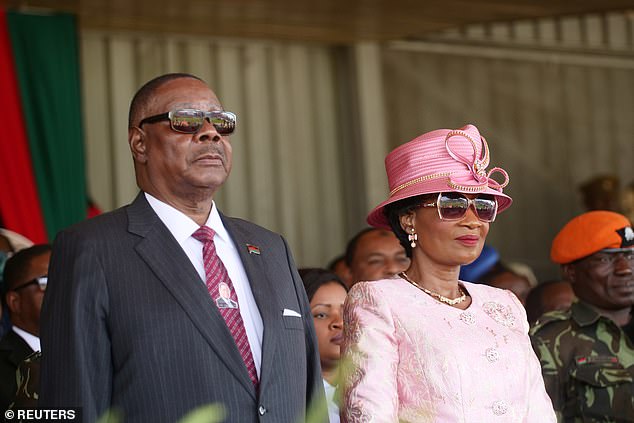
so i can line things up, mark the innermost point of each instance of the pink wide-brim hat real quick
(444, 160)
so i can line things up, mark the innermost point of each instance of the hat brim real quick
(378, 219)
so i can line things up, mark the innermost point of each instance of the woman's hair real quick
(394, 211)
(315, 278)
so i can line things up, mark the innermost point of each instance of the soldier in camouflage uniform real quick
(587, 359)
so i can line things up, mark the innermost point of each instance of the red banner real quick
(20, 208)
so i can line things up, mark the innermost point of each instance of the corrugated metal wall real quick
(287, 165)
(554, 98)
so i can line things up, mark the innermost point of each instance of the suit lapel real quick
(170, 264)
(16, 347)
(263, 291)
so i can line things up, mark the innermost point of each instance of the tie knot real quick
(204, 234)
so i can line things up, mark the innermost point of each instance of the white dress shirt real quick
(32, 340)
(182, 227)
(333, 408)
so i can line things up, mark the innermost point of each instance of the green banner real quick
(45, 51)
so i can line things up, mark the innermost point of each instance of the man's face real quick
(176, 164)
(604, 279)
(25, 304)
(378, 255)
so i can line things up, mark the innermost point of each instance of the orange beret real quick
(590, 232)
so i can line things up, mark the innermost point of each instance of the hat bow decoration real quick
(476, 165)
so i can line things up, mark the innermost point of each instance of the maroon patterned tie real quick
(224, 295)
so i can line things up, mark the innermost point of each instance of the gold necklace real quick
(436, 295)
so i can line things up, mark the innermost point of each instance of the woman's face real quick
(327, 310)
(447, 242)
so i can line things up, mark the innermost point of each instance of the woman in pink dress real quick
(425, 346)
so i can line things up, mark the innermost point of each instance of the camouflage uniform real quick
(28, 379)
(588, 365)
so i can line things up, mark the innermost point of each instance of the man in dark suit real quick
(25, 281)
(128, 321)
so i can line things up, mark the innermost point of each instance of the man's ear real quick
(407, 220)
(13, 302)
(137, 140)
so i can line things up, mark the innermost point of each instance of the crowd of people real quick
(167, 305)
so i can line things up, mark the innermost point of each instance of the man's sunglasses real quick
(190, 121)
(41, 282)
(453, 206)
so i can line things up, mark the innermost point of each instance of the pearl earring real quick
(412, 237)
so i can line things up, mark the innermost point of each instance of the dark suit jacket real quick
(128, 324)
(13, 349)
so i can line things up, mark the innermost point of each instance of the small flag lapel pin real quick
(253, 249)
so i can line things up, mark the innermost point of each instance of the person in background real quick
(490, 270)
(425, 346)
(10, 243)
(473, 271)
(339, 267)
(548, 296)
(15, 240)
(25, 278)
(327, 293)
(502, 276)
(586, 356)
(374, 253)
(6, 251)
(601, 192)
(135, 317)
(627, 201)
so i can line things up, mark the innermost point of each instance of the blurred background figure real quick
(16, 241)
(490, 270)
(502, 276)
(548, 296)
(339, 267)
(472, 272)
(627, 201)
(327, 293)
(25, 278)
(10, 243)
(6, 250)
(601, 193)
(374, 254)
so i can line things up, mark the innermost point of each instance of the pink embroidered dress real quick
(410, 358)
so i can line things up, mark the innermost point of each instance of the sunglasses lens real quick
(452, 206)
(187, 121)
(224, 122)
(42, 282)
(486, 207)
(190, 121)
